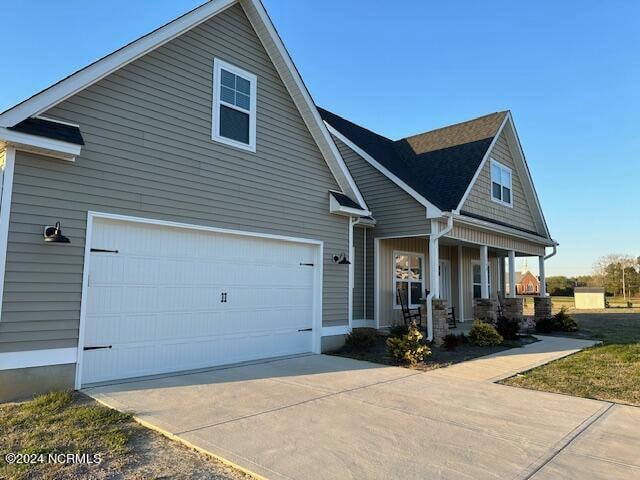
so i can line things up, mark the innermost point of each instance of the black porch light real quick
(54, 235)
(341, 259)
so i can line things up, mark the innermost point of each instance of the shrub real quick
(508, 328)
(398, 330)
(545, 325)
(452, 341)
(484, 335)
(361, 338)
(629, 305)
(564, 322)
(410, 348)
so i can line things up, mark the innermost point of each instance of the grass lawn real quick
(67, 423)
(610, 371)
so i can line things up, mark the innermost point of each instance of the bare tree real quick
(602, 269)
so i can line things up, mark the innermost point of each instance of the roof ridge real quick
(452, 125)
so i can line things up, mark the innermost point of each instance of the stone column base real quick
(485, 309)
(542, 307)
(440, 322)
(512, 309)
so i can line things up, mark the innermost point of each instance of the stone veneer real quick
(512, 309)
(485, 309)
(440, 320)
(542, 307)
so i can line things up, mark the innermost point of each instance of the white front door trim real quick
(91, 216)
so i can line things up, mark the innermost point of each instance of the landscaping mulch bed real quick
(440, 357)
(68, 423)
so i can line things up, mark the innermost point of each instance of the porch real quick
(469, 275)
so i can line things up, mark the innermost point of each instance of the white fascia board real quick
(289, 74)
(335, 207)
(89, 75)
(482, 163)
(494, 227)
(432, 210)
(43, 145)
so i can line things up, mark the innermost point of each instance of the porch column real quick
(543, 280)
(460, 286)
(484, 271)
(512, 274)
(434, 263)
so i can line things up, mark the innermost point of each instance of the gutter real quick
(555, 250)
(432, 246)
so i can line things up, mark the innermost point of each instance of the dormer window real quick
(234, 106)
(501, 184)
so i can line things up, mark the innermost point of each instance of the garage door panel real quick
(157, 302)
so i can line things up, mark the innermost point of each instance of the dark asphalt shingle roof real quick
(345, 201)
(438, 164)
(49, 129)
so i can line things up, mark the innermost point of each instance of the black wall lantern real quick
(54, 235)
(341, 259)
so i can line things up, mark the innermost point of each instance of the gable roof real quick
(439, 164)
(50, 129)
(87, 76)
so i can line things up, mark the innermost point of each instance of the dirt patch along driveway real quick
(324, 417)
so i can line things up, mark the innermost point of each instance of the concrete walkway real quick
(323, 417)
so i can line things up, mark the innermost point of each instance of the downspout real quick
(555, 250)
(432, 241)
(352, 259)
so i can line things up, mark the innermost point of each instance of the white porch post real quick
(434, 262)
(484, 271)
(543, 280)
(512, 274)
(460, 286)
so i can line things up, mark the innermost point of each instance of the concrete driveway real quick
(324, 417)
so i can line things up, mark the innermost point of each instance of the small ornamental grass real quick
(483, 334)
(409, 348)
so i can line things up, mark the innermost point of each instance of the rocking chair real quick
(408, 315)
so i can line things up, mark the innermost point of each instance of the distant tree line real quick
(618, 274)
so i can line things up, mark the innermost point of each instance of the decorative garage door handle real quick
(223, 297)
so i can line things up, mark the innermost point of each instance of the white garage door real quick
(163, 299)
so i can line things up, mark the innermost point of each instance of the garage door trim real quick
(91, 216)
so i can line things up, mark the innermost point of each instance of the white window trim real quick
(217, 102)
(396, 305)
(473, 284)
(504, 167)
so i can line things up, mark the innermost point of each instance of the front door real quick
(445, 280)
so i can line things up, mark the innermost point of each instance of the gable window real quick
(477, 282)
(501, 183)
(234, 106)
(408, 277)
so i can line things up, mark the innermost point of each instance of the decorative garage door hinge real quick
(97, 347)
(306, 264)
(305, 329)
(103, 250)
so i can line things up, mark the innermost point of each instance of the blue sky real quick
(569, 71)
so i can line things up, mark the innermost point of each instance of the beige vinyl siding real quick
(396, 212)
(149, 153)
(497, 240)
(363, 272)
(479, 199)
